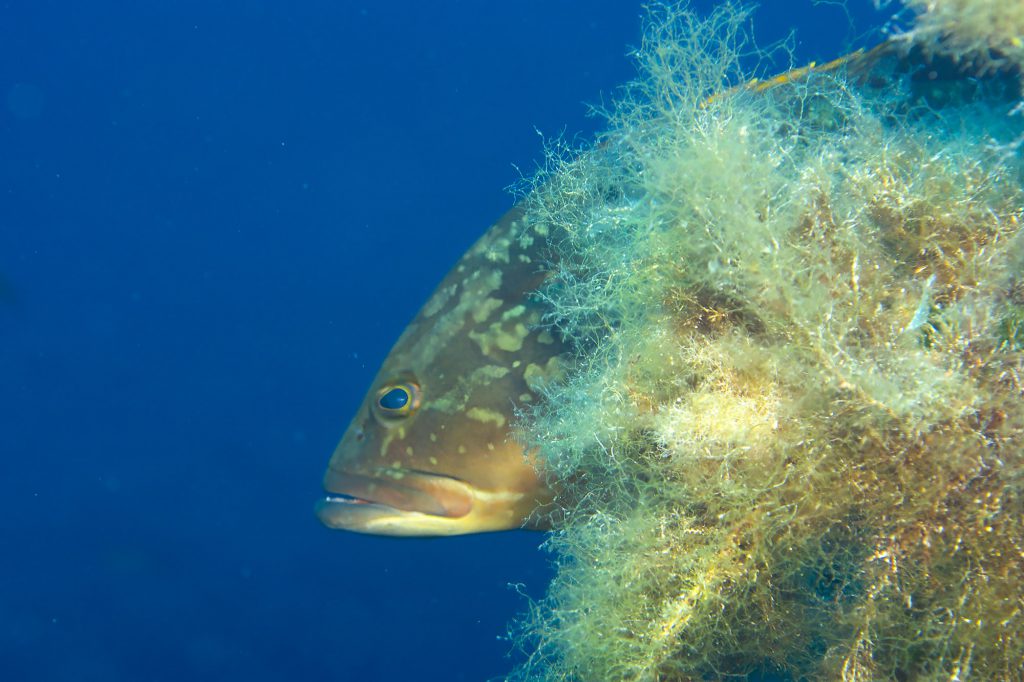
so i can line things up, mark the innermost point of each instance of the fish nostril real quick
(360, 436)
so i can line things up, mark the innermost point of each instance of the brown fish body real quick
(430, 451)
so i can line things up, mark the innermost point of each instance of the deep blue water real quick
(215, 219)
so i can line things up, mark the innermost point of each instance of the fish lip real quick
(354, 514)
(392, 491)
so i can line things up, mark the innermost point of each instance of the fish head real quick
(431, 450)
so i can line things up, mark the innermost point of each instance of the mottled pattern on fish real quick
(430, 450)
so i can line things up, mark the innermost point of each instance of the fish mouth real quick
(393, 498)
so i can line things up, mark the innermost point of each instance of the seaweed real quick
(790, 442)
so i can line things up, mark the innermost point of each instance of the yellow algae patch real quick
(485, 415)
(717, 424)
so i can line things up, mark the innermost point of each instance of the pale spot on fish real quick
(482, 414)
(497, 337)
(433, 460)
(408, 450)
(486, 374)
(536, 376)
(493, 247)
(438, 300)
(449, 324)
(513, 312)
(484, 310)
(462, 449)
(433, 438)
(498, 253)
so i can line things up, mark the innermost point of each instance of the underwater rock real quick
(790, 443)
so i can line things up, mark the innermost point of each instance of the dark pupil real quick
(395, 399)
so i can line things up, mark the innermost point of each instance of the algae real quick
(986, 34)
(790, 441)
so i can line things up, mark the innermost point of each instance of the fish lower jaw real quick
(480, 511)
(374, 518)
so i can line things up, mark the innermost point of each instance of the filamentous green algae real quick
(790, 441)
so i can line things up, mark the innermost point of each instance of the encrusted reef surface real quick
(790, 440)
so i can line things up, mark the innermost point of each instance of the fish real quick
(431, 449)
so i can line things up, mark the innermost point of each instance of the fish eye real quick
(395, 399)
(398, 400)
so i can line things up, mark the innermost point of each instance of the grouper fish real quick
(430, 450)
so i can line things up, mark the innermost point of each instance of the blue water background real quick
(215, 219)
